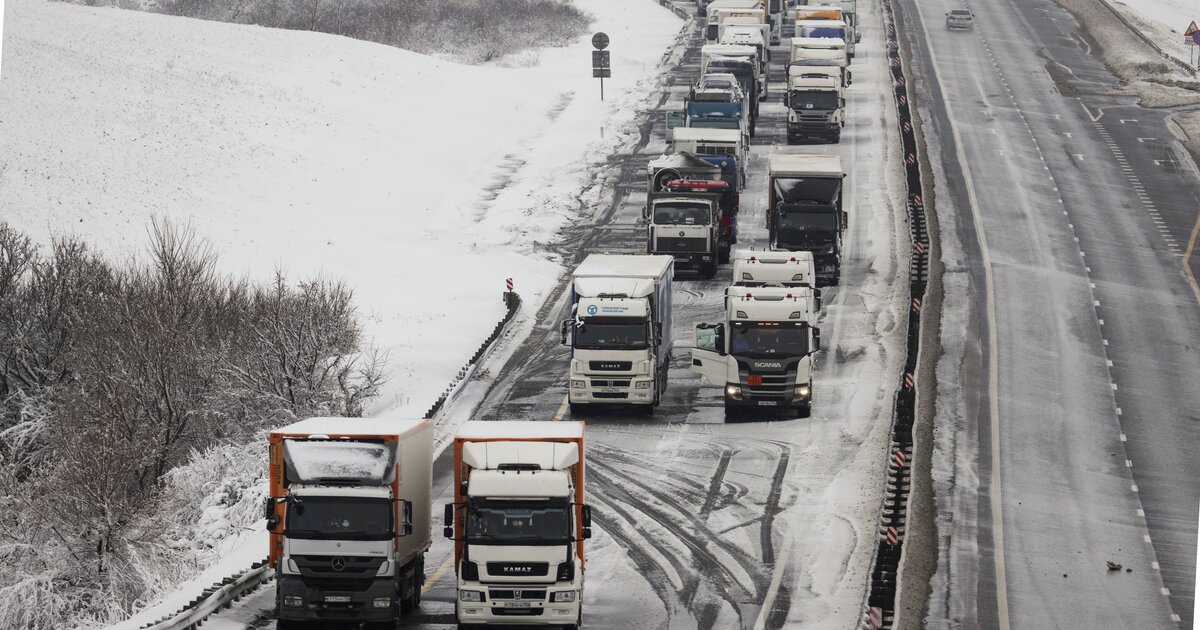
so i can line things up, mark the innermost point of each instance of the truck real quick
(348, 513)
(722, 147)
(816, 104)
(722, 10)
(761, 353)
(800, 47)
(850, 17)
(519, 523)
(826, 28)
(686, 220)
(741, 61)
(717, 102)
(776, 269)
(739, 32)
(804, 209)
(618, 327)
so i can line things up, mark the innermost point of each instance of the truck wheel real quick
(576, 408)
(723, 256)
(710, 270)
(836, 138)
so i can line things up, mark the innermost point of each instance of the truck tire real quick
(836, 137)
(723, 256)
(804, 409)
(576, 408)
(710, 270)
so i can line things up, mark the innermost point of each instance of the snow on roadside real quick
(1163, 21)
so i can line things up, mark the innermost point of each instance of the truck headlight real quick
(384, 568)
(733, 391)
(803, 392)
(563, 596)
(381, 602)
(578, 384)
(470, 596)
(641, 385)
(798, 277)
(293, 601)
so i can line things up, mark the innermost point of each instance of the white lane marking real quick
(773, 590)
(997, 504)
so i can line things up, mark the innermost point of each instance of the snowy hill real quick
(422, 183)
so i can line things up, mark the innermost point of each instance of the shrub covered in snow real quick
(111, 378)
(470, 30)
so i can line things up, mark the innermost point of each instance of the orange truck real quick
(518, 522)
(349, 518)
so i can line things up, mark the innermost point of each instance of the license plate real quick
(337, 599)
(518, 605)
(767, 403)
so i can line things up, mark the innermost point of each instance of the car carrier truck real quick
(348, 516)
(619, 329)
(518, 522)
(761, 353)
(804, 209)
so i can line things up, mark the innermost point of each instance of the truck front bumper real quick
(609, 389)
(813, 129)
(520, 613)
(301, 602)
(743, 396)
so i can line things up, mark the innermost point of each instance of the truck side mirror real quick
(448, 524)
(841, 102)
(849, 78)
(817, 298)
(269, 508)
(585, 513)
(566, 323)
(657, 335)
(645, 212)
(406, 527)
(845, 220)
(816, 334)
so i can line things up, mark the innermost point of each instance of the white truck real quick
(800, 45)
(762, 353)
(348, 516)
(722, 10)
(619, 329)
(816, 104)
(713, 144)
(518, 522)
(776, 269)
(742, 61)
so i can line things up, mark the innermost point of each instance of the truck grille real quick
(673, 245)
(610, 366)
(338, 567)
(773, 384)
(537, 595)
(609, 395)
(598, 382)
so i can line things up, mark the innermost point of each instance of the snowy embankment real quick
(1163, 21)
(422, 183)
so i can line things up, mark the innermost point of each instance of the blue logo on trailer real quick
(591, 309)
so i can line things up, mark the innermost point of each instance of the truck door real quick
(708, 353)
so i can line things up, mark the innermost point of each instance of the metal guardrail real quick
(215, 598)
(880, 605)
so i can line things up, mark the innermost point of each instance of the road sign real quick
(1196, 39)
(600, 41)
(601, 73)
(1192, 29)
(600, 59)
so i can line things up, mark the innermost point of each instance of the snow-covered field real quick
(1164, 21)
(421, 182)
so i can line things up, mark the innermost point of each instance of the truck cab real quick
(688, 221)
(717, 102)
(762, 352)
(519, 523)
(804, 211)
(816, 104)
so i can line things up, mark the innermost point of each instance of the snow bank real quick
(421, 182)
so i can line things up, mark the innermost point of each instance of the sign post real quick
(1192, 37)
(600, 60)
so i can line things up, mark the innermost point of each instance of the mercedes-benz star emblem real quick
(681, 232)
(338, 564)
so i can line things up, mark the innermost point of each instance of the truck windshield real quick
(807, 221)
(618, 334)
(807, 99)
(768, 339)
(807, 189)
(340, 518)
(503, 523)
(681, 213)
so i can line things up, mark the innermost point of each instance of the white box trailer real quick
(619, 329)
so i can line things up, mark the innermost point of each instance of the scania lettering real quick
(804, 211)
(762, 352)
(348, 515)
(518, 522)
(619, 329)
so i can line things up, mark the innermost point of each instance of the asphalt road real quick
(1079, 405)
